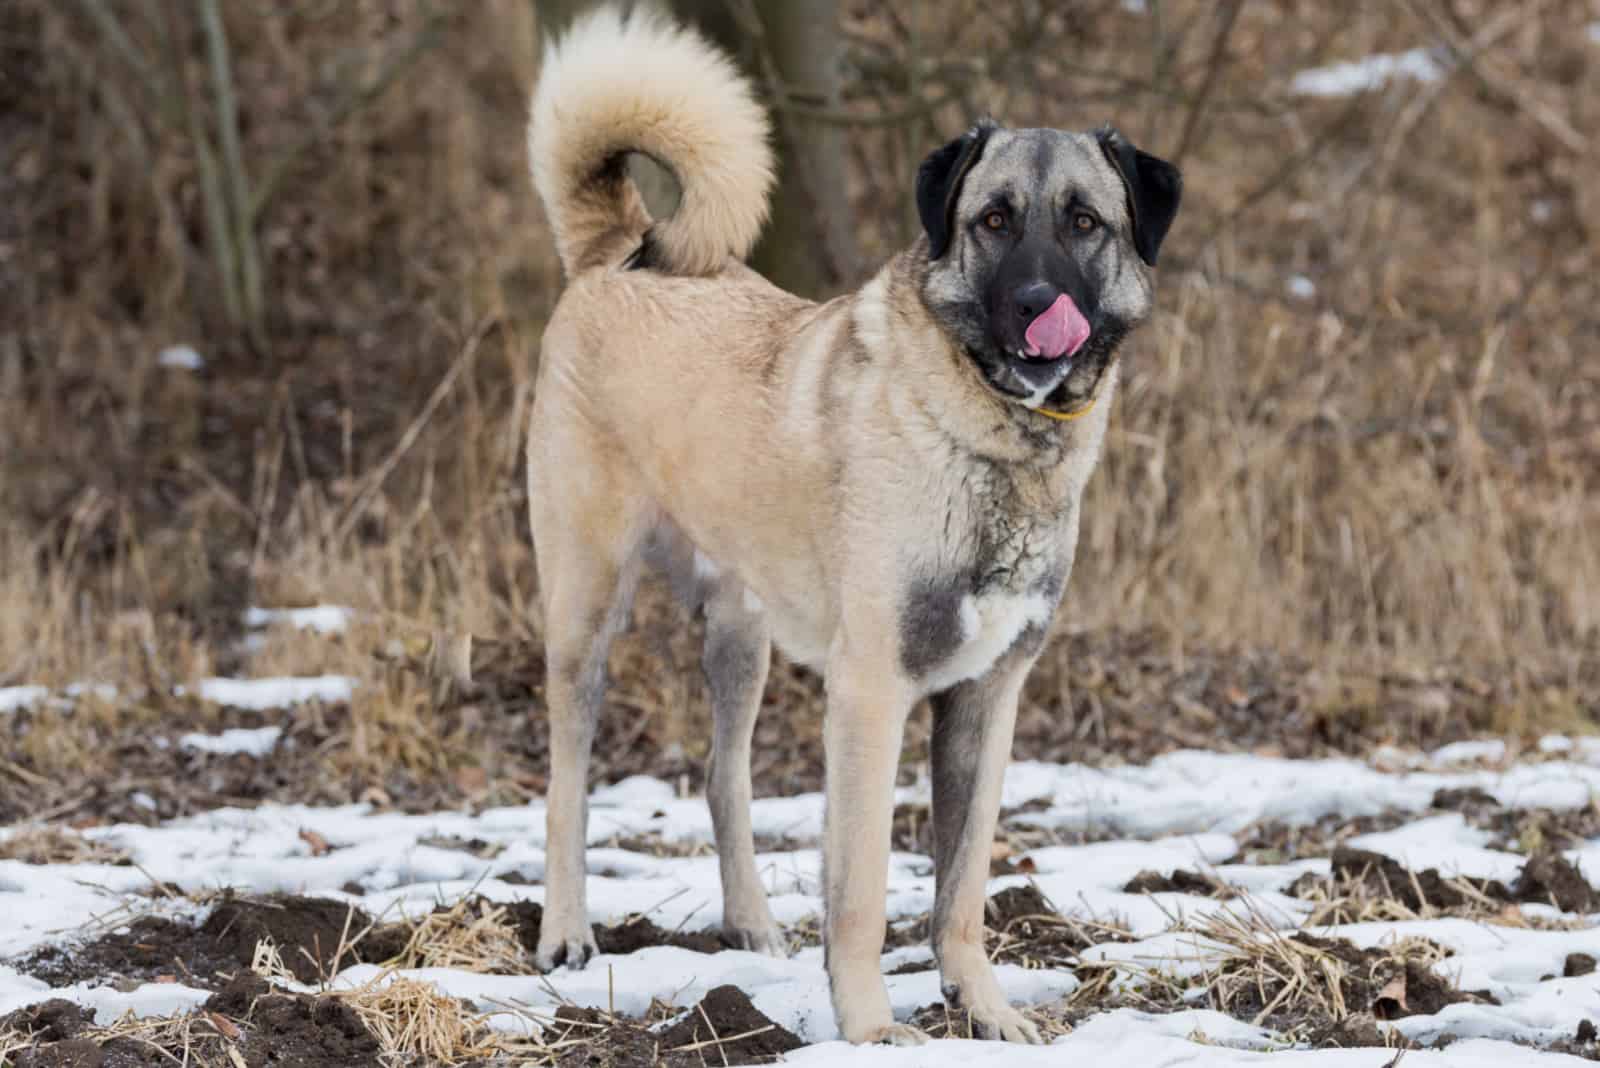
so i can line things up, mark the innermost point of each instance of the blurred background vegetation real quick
(1349, 494)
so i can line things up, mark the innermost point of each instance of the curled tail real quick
(637, 82)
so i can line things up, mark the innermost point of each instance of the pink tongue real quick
(1058, 331)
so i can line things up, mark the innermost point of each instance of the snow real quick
(321, 618)
(1594, 32)
(13, 698)
(181, 357)
(1184, 810)
(1301, 287)
(258, 695)
(1485, 751)
(1443, 842)
(256, 743)
(1362, 75)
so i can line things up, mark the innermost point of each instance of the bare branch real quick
(279, 168)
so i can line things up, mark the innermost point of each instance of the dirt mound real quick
(716, 1025)
(641, 933)
(1341, 990)
(264, 1027)
(1359, 873)
(724, 1028)
(1179, 882)
(49, 1021)
(626, 936)
(1549, 878)
(276, 1028)
(1015, 903)
(1546, 878)
(1469, 799)
(307, 932)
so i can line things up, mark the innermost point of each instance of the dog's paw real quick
(1004, 1023)
(894, 1034)
(574, 950)
(768, 941)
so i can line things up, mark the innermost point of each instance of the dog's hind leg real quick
(588, 523)
(738, 652)
(972, 730)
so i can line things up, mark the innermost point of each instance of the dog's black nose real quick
(1032, 299)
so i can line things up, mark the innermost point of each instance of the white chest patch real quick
(990, 625)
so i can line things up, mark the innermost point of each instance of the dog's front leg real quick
(972, 728)
(862, 734)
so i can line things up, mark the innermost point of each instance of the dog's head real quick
(1040, 244)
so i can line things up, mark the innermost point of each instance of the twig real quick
(1466, 52)
(279, 168)
(1219, 48)
(375, 480)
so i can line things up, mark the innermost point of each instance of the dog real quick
(886, 485)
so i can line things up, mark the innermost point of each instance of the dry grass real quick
(48, 844)
(1393, 478)
(410, 1018)
(474, 935)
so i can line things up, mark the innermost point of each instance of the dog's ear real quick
(939, 183)
(1154, 189)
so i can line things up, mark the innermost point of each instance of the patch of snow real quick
(1300, 287)
(1445, 842)
(321, 618)
(107, 1002)
(258, 695)
(182, 357)
(1483, 751)
(1594, 32)
(1180, 811)
(104, 691)
(13, 698)
(1363, 75)
(257, 743)
(1135, 7)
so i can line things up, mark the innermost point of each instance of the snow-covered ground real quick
(1180, 811)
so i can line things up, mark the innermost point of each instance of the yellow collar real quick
(1067, 417)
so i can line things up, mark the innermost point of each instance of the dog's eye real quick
(1083, 222)
(995, 220)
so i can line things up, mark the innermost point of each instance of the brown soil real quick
(1416, 890)
(1276, 842)
(1179, 882)
(265, 1027)
(1021, 926)
(1522, 830)
(306, 931)
(1549, 878)
(495, 725)
(1374, 985)
(712, 1028)
(298, 1029)
(725, 1012)
(626, 936)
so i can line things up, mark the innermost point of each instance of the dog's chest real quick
(996, 588)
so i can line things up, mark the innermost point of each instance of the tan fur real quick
(816, 458)
(639, 83)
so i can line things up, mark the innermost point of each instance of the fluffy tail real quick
(636, 82)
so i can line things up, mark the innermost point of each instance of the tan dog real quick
(885, 485)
